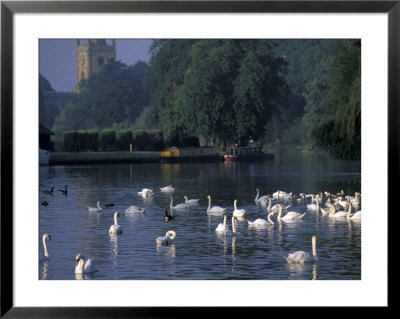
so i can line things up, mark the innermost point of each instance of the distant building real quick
(90, 56)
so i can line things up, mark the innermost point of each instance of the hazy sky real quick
(57, 59)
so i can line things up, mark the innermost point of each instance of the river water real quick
(197, 252)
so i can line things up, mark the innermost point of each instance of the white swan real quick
(191, 202)
(260, 200)
(134, 210)
(223, 229)
(95, 209)
(167, 189)
(178, 206)
(356, 215)
(289, 215)
(262, 222)
(146, 192)
(340, 214)
(238, 212)
(302, 256)
(44, 238)
(167, 239)
(214, 209)
(115, 229)
(83, 266)
(314, 206)
(275, 208)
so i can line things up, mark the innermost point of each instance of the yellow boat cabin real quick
(176, 154)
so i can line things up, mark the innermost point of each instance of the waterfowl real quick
(83, 266)
(95, 209)
(238, 212)
(168, 217)
(340, 214)
(45, 203)
(356, 215)
(314, 206)
(44, 238)
(289, 215)
(259, 200)
(275, 208)
(215, 209)
(146, 192)
(191, 202)
(115, 229)
(262, 222)
(302, 256)
(134, 210)
(167, 239)
(167, 189)
(222, 228)
(50, 192)
(178, 206)
(63, 191)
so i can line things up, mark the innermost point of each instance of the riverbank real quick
(82, 158)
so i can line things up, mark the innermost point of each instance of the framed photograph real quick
(142, 273)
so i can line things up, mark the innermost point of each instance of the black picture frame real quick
(9, 8)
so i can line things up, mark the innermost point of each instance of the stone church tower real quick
(90, 56)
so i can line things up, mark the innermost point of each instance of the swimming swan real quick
(191, 202)
(167, 189)
(223, 229)
(275, 208)
(262, 222)
(214, 209)
(145, 192)
(44, 238)
(83, 266)
(262, 199)
(289, 215)
(302, 256)
(95, 209)
(115, 229)
(178, 206)
(168, 238)
(314, 206)
(340, 214)
(356, 215)
(238, 212)
(134, 210)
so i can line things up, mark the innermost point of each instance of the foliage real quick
(70, 141)
(107, 140)
(224, 89)
(116, 94)
(124, 139)
(340, 132)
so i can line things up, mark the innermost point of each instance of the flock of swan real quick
(336, 206)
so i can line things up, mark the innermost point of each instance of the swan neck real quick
(258, 194)
(280, 212)
(224, 221)
(269, 203)
(234, 204)
(116, 219)
(46, 252)
(269, 218)
(209, 203)
(170, 205)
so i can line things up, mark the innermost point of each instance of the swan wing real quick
(90, 266)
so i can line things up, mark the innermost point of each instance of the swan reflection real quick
(45, 269)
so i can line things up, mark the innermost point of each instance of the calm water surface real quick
(197, 252)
